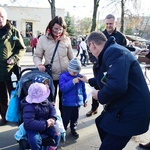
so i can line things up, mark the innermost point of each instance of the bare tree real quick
(96, 5)
(123, 2)
(53, 9)
(122, 15)
(123, 9)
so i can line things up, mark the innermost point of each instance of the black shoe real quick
(3, 122)
(91, 112)
(75, 134)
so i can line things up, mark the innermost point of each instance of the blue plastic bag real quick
(12, 114)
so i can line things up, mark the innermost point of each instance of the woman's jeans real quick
(35, 139)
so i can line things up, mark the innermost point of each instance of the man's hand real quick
(10, 61)
(83, 78)
(85, 105)
(95, 94)
(75, 80)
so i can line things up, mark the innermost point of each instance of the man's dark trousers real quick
(109, 141)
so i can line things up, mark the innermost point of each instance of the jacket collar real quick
(49, 36)
(8, 33)
(110, 41)
(112, 34)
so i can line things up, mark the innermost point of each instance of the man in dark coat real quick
(110, 25)
(111, 30)
(12, 48)
(122, 91)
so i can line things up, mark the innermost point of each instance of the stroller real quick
(26, 79)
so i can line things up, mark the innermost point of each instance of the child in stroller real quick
(36, 111)
(39, 116)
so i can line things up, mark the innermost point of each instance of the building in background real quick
(31, 20)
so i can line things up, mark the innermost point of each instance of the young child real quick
(73, 95)
(39, 116)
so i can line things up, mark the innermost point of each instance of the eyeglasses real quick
(57, 30)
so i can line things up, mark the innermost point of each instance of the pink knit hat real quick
(37, 93)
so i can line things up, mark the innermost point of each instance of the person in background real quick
(39, 35)
(39, 116)
(22, 35)
(139, 47)
(83, 52)
(110, 25)
(110, 30)
(12, 49)
(78, 47)
(130, 44)
(146, 53)
(73, 95)
(119, 79)
(33, 43)
(56, 30)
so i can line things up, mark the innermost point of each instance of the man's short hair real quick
(97, 37)
(109, 16)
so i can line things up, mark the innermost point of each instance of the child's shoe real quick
(75, 134)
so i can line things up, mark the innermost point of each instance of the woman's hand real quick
(41, 67)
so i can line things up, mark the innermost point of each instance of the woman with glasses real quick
(56, 30)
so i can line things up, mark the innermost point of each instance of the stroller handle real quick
(27, 69)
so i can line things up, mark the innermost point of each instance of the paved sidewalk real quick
(88, 140)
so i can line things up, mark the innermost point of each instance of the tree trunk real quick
(96, 5)
(53, 9)
(122, 15)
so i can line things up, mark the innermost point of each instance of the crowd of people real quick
(118, 80)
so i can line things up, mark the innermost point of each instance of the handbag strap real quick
(54, 52)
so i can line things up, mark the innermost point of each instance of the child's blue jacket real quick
(72, 94)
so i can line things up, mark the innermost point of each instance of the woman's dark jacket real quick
(35, 116)
(125, 94)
